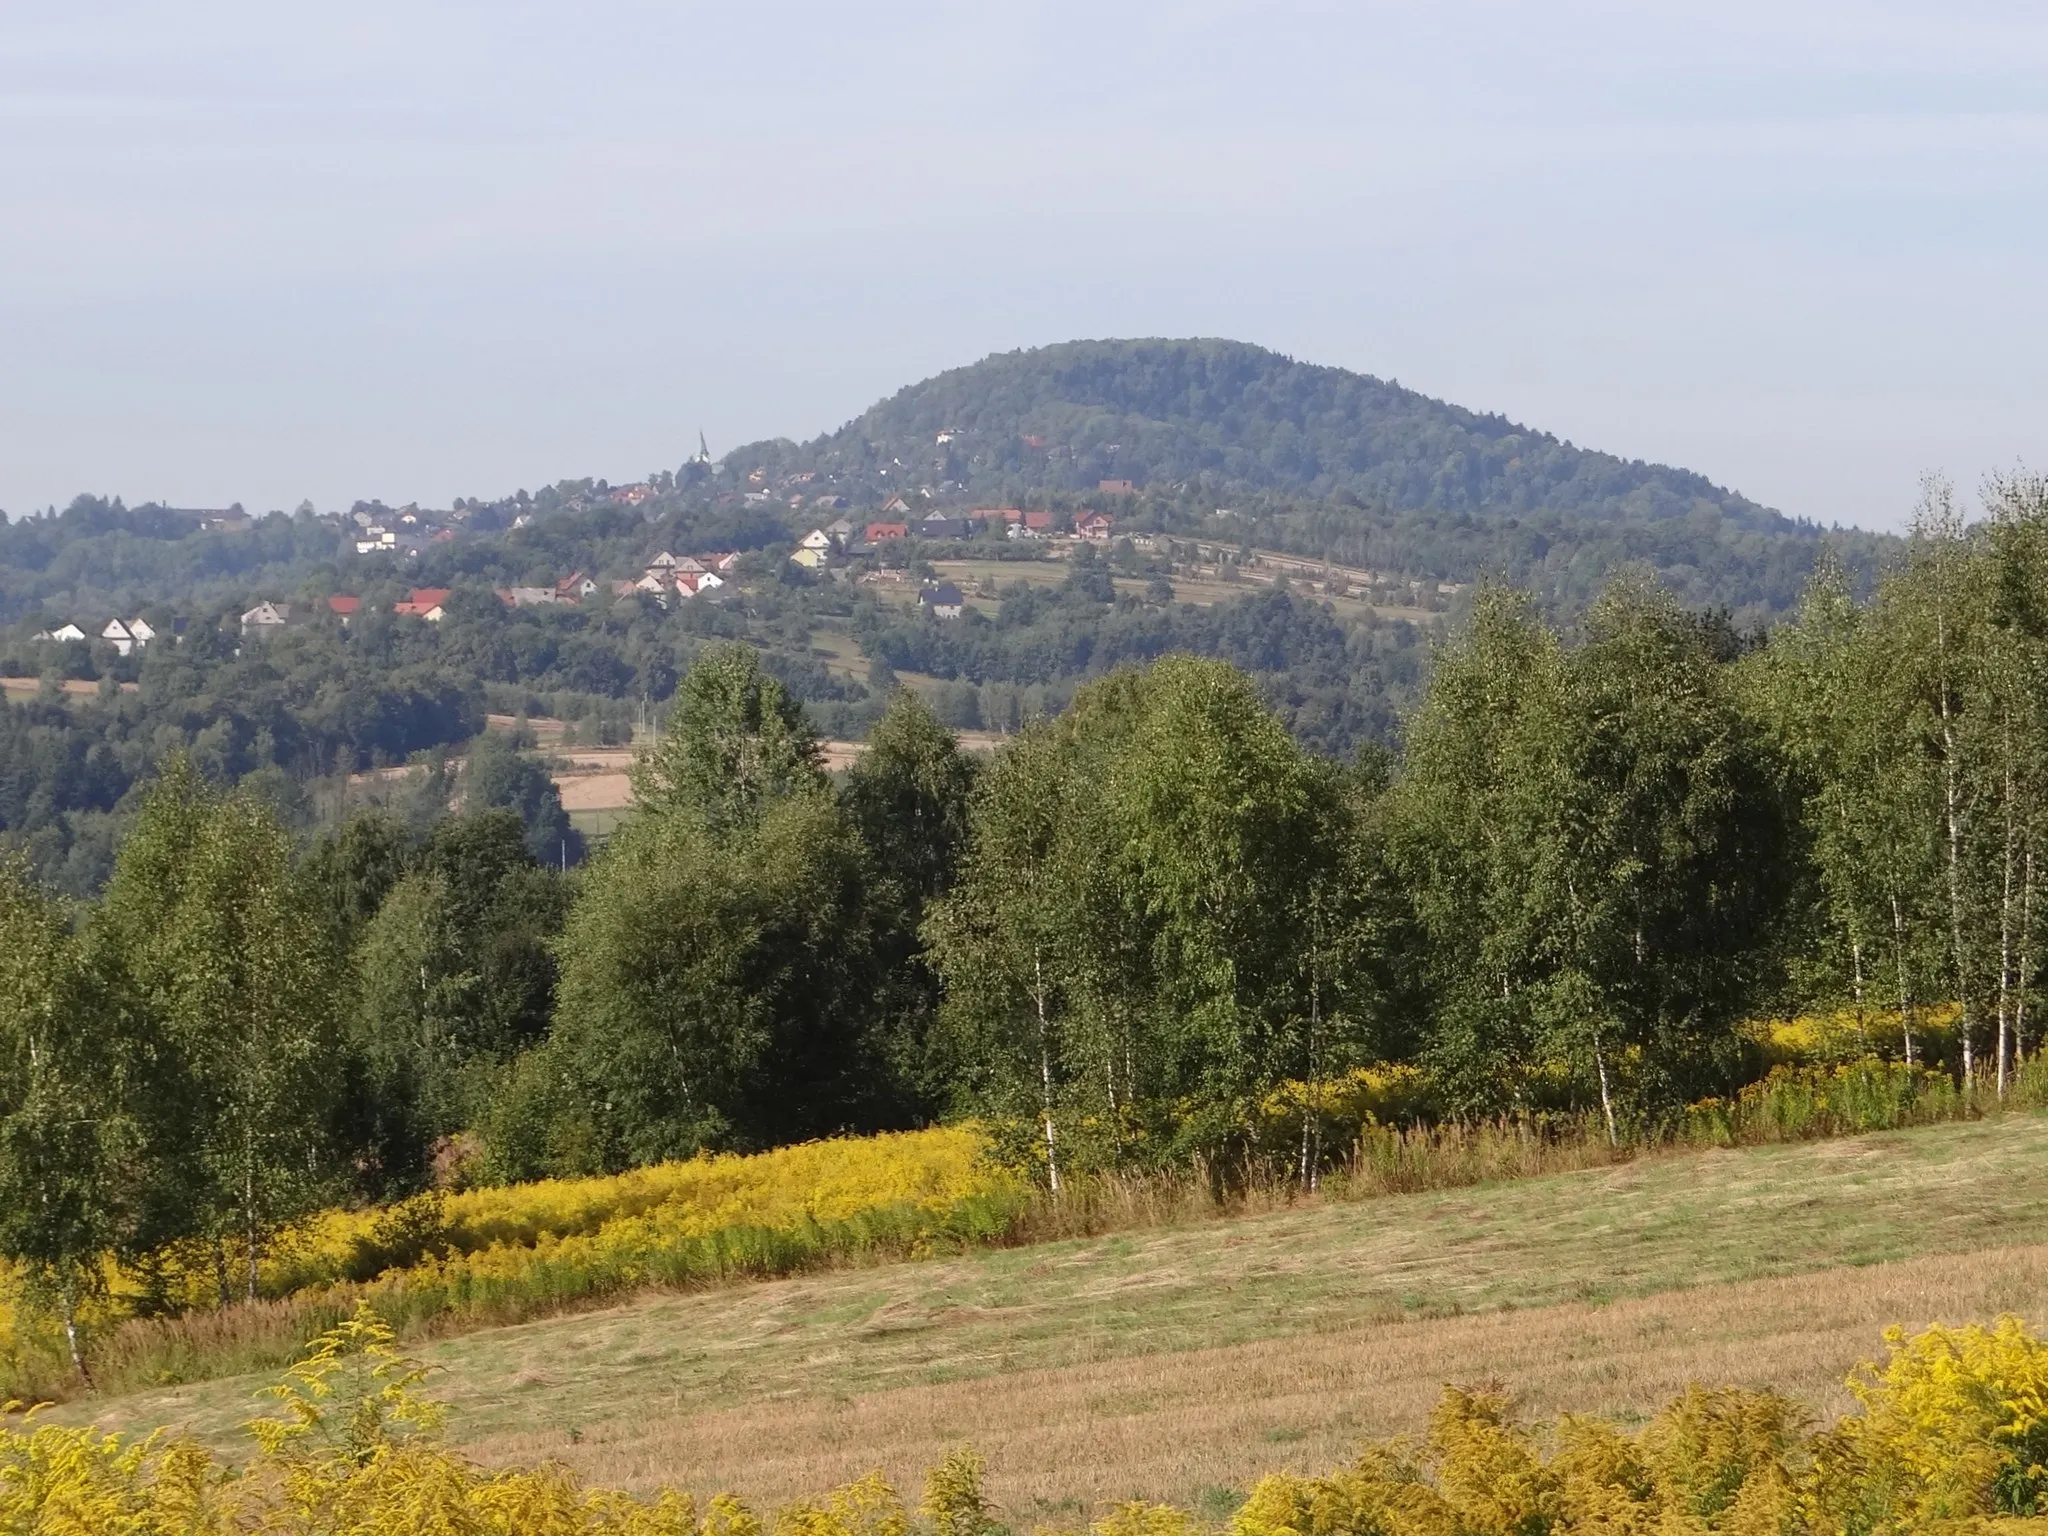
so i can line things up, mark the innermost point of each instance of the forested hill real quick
(1211, 440)
(1245, 418)
(1313, 459)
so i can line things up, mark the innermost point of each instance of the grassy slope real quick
(1172, 1361)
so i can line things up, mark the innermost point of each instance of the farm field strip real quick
(598, 782)
(1117, 1316)
(1191, 1427)
(72, 687)
(1199, 591)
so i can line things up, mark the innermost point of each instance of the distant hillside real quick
(1247, 418)
(1217, 440)
(1314, 459)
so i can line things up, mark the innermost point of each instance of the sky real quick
(410, 251)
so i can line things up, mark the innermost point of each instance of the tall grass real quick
(1791, 1103)
(1392, 1160)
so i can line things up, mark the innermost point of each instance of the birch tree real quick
(68, 1140)
(1935, 601)
(1458, 845)
(1837, 698)
(711, 990)
(737, 741)
(2019, 554)
(231, 960)
(1004, 940)
(1597, 850)
(1213, 815)
(1671, 839)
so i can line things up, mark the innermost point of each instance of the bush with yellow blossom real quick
(1951, 1435)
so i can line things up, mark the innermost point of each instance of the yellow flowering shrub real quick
(1953, 1430)
(865, 1508)
(953, 1501)
(491, 1255)
(1955, 1423)
(1361, 1096)
(1847, 1033)
(353, 1455)
(1950, 1436)
(816, 1183)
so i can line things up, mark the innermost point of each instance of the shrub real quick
(498, 1255)
(1952, 1432)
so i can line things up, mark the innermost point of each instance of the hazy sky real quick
(259, 252)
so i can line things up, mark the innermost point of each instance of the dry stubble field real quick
(1181, 1363)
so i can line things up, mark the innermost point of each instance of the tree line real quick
(299, 711)
(1149, 932)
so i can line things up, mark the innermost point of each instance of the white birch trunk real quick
(1052, 1154)
(2005, 921)
(1952, 811)
(2026, 975)
(1606, 1100)
(1905, 992)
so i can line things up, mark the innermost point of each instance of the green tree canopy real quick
(737, 741)
(69, 1140)
(233, 963)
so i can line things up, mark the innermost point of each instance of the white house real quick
(66, 632)
(266, 618)
(129, 636)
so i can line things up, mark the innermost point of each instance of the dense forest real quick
(1152, 931)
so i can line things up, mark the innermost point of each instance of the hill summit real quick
(1234, 442)
(1234, 417)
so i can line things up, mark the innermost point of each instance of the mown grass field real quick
(1181, 1363)
(1201, 590)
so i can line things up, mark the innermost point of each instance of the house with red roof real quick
(424, 603)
